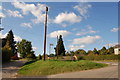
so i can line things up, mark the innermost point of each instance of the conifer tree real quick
(10, 41)
(60, 49)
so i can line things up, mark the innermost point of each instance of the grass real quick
(48, 67)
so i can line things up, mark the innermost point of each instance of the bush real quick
(32, 56)
(102, 57)
(6, 54)
(39, 57)
(80, 57)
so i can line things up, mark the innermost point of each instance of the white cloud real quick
(16, 38)
(88, 30)
(34, 48)
(67, 17)
(36, 10)
(3, 36)
(115, 29)
(14, 13)
(0, 7)
(29, 25)
(59, 32)
(2, 15)
(112, 44)
(75, 47)
(86, 40)
(82, 8)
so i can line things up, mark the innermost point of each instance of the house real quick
(117, 51)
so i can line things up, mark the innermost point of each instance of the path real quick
(9, 70)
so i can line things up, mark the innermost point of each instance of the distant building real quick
(116, 51)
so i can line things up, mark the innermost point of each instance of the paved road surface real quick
(107, 72)
(9, 70)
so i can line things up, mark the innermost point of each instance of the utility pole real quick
(50, 48)
(45, 31)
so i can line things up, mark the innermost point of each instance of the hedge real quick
(99, 57)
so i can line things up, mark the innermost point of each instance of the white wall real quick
(117, 51)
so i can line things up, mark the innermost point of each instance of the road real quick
(107, 72)
(9, 70)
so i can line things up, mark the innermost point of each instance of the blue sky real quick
(83, 25)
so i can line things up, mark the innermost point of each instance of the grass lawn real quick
(48, 67)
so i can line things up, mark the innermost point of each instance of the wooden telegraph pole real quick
(45, 31)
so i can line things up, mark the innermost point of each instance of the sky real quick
(82, 25)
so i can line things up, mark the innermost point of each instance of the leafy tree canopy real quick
(25, 49)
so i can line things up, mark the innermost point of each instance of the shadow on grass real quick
(29, 62)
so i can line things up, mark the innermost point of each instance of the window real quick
(119, 49)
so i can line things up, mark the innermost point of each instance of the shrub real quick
(80, 57)
(101, 57)
(6, 54)
(32, 56)
(39, 57)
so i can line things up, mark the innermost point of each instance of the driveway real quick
(9, 70)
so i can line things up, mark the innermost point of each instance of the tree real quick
(3, 41)
(80, 52)
(67, 54)
(60, 49)
(90, 52)
(72, 53)
(31, 55)
(51, 55)
(103, 51)
(95, 51)
(6, 53)
(10, 41)
(25, 49)
(111, 50)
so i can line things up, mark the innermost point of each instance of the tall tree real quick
(60, 49)
(25, 49)
(10, 41)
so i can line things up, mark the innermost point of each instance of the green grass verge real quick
(48, 67)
